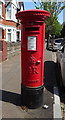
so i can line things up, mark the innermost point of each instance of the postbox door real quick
(35, 56)
(33, 61)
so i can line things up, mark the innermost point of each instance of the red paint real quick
(33, 24)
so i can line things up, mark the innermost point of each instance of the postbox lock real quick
(38, 62)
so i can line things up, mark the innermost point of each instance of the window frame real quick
(10, 16)
(1, 8)
(10, 34)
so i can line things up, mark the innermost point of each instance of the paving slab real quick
(11, 89)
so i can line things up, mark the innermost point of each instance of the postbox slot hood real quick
(34, 14)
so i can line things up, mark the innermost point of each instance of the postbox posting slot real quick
(32, 43)
(32, 29)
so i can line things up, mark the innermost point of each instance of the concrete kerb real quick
(0, 89)
(56, 106)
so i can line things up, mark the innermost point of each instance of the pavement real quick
(0, 56)
(11, 89)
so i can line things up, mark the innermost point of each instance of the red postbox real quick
(32, 56)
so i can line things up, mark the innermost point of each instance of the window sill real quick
(1, 17)
(11, 20)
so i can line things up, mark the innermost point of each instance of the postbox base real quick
(32, 97)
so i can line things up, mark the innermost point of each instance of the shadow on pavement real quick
(50, 81)
(10, 97)
(50, 75)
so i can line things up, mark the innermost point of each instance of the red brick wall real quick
(3, 10)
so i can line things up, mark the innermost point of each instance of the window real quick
(0, 33)
(0, 8)
(9, 35)
(14, 12)
(18, 36)
(14, 35)
(8, 11)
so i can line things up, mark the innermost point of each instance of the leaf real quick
(37, 7)
(64, 109)
(62, 7)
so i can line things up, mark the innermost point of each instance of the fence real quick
(13, 48)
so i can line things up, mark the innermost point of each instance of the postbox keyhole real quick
(38, 62)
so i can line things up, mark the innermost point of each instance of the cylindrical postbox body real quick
(32, 56)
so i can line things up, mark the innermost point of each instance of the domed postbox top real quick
(33, 15)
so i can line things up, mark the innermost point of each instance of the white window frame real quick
(13, 12)
(7, 18)
(14, 35)
(0, 8)
(9, 33)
